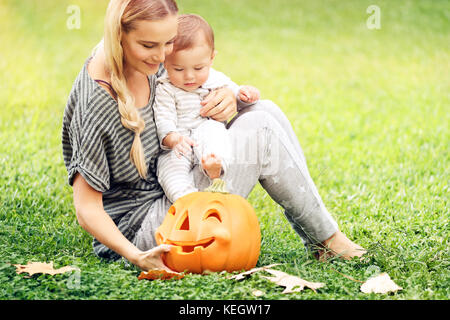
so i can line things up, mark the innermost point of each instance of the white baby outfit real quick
(177, 110)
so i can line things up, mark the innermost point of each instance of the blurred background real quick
(367, 92)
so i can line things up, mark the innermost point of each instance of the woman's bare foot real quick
(212, 165)
(341, 246)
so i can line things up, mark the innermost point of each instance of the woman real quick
(110, 144)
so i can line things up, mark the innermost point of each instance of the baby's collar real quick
(210, 83)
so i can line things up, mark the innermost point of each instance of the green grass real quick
(370, 108)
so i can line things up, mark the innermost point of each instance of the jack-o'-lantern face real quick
(210, 231)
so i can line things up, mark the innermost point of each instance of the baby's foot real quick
(212, 165)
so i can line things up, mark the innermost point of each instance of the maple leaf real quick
(292, 283)
(380, 284)
(159, 274)
(41, 267)
(242, 275)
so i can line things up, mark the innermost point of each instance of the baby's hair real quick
(189, 26)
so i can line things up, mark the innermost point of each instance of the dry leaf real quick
(257, 293)
(41, 267)
(292, 283)
(242, 275)
(380, 284)
(160, 274)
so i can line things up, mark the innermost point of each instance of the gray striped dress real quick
(96, 145)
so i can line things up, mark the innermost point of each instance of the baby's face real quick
(189, 69)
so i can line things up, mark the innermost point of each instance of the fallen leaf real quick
(380, 284)
(292, 283)
(257, 293)
(160, 274)
(242, 275)
(41, 267)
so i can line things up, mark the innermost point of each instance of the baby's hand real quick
(248, 94)
(183, 146)
(180, 144)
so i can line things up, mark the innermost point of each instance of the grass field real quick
(370, 108)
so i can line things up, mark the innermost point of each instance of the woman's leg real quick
(145, 236)
(271, 108)
(338, 242)
(266, 149)
(278, 115)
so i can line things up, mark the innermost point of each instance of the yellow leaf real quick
(160, 274)
(41, 267)
(292, 283)
(242, 275)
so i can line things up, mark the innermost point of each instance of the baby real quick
(181, 129)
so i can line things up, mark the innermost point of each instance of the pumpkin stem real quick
(217, 185)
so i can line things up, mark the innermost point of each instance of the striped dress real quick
(96, 145)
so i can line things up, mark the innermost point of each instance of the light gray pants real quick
(265, 149)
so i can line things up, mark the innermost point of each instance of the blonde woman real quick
(110, 145)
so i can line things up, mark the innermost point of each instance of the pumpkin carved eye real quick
(214, 214)
(184, 222)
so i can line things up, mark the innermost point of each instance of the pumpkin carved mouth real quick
(189, 246)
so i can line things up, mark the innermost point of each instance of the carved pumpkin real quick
(210, 230)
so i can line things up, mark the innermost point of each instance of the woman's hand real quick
(219, 104)
(151, 259)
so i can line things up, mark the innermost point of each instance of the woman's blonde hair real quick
(121, 17)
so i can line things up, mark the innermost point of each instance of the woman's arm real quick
(93, 218)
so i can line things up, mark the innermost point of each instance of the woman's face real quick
(145, 47)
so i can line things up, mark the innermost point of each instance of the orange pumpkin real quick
(210, 230)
